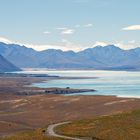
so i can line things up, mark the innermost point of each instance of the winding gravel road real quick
(51, 132)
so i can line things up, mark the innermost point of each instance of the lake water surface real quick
(119, 83)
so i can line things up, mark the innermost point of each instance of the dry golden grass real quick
(125, 126)
(30, 135)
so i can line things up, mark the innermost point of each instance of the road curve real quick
(50, 131)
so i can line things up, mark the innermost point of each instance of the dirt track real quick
(51, 132)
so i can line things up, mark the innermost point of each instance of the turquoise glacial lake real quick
(119, 83)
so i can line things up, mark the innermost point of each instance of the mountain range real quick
(102, 58)
(6, 66)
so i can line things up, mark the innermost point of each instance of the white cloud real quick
(68, 31)
(62, 28)
(44, 47)
(5, 40)
(99, 43)
(47, 32)
(88, 25)
(132, 27)
(72, 46)
(122, 45)
(132, 41)
(67, 45)
(125, 46)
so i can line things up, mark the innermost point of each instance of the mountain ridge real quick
(6, 66)
(99, 57)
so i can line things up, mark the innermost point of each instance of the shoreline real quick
(131, 97)
(76, 94)
(114, 70)
(43, 78)
(21, 106)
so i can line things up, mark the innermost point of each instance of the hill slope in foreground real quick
(124, 126)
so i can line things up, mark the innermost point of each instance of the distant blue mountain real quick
(21, 56)
(6, 66)
(104, 58)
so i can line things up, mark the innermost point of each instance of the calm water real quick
(120, 83)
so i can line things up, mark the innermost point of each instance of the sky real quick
(70, 24)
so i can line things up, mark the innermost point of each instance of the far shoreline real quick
(43, 78)
(65, 69)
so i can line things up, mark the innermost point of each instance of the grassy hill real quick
(124, 126)
(30, 135)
